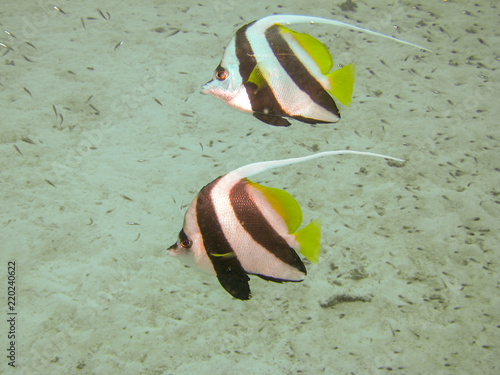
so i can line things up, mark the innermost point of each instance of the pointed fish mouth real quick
(170, 249)
(207, 88)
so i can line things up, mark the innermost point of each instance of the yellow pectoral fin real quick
(225, 255)
(314, 48)
(309, 239)
(257, 78)
(342, 84)
(283, 203)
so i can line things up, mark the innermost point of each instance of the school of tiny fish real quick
(235, 227)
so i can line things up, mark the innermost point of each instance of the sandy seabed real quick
(105, 140)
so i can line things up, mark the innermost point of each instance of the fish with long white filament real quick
(235, 227)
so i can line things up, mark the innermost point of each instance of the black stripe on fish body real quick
(259, 228)
(228, 269)
(244, 52)
(262, 100)
(299, 74)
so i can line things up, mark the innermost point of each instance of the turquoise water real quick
(106, 139)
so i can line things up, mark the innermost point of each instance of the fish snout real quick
(171, 250)
(207, 88)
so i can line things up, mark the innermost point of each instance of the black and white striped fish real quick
(274, 72)
(235, 227)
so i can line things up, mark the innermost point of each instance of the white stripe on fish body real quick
(229, 56)
(293, 100)
(253, 257)
(222, 205)
(290, 97)
(296, 102)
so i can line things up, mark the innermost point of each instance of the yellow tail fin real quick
(309, 239)
(342, 83)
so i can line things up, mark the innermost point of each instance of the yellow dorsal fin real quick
(342, 83)
(309, 239)
(341, 80)
(284, 204)
(314, 48)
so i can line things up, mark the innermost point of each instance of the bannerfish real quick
(235, 227)
(274, 72)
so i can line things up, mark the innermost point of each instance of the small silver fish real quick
(235, 227)
(274, 72)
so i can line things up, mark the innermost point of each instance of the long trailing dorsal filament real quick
(287, 19)
(263, 166)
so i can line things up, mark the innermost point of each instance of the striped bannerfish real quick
(274, 72)
(235, 227)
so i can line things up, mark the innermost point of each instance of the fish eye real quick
(222, 74)
(184, 240)
(186, 243)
